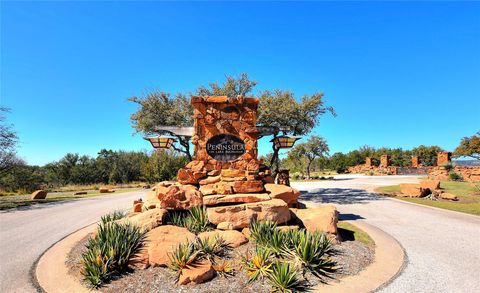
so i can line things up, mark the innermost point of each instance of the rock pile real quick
(426, 188)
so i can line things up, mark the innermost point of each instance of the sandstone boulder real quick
(210, 180)
(430, 184)
(283, 192)
(323, 218)
(163, 240)
(39, 194)
(196, 273)
(413, 190)
(181, 197)
(233, 237)
(448, 196)
(137, 206)
(105, 189)
(211, 200)
(147, 220)
(232, 173)
(248, 186)
(140, 260)
(207, 189)
(186, 176)
(240, 216)
(151, 200)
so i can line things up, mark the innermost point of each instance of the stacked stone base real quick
(469, 174)
(372, 170)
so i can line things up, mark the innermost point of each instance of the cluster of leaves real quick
(208, 248)
(113, 216)
(109, 252)
(284, 257)
(195, 219)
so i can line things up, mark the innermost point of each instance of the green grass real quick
(17, 201)
(468, 197)
(351, 232)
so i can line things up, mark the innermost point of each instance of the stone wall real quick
(444, 158)
(235, 117)
(469, 174)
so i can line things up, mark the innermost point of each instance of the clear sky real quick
(399, 74)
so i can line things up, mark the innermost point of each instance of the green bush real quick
(258, 265)
(109, 252)
(195, 220)
(211, 247)
(448, 167)
(262, 231)
(285, 278)
(183, 255)
(455, 176)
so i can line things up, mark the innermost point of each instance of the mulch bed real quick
(352, 257)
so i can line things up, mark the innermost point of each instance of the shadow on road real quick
(339, 196)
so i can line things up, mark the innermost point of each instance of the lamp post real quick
(284, 141)
(161, 142)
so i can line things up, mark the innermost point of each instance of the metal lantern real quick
(161, 142)
(285, 141)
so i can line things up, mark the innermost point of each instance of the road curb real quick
(51, 272)
(389, 262)
(435, 208)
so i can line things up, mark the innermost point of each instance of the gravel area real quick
(352, 257)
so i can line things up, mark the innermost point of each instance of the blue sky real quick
(399, 74)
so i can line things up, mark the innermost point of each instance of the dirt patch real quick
(351, 258)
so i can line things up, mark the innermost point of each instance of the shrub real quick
(311, 251)
(113, 216)
(259, 265)
(448, 167)
(183, 255)
(285, 278)
(177, 218)
(109, 251)
(210, 247)
(455, 176)
(296, 176)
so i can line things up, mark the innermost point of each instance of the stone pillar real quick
(444, 158)
(368, 162)
(415, 161)
(384, 161)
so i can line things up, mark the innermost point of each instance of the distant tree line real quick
(109, 167)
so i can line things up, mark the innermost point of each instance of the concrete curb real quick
(389, 262)
(51, 272)
(52, 275)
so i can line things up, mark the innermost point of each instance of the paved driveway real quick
(25, 234)
(443, 247)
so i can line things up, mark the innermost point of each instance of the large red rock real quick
(210, 180)
(233, 237)
(39, 194)
(197, 273)
(186, 176)
(323, 218)
(105, 189)
(448, 196)
(151, 200)
(147, 220)
(240, 216)
(181, 197)
(211, 200)
(139, 260)
(283, 192)
(413, 190)
(430, 184)
(163, 240)
(232, 173)
(248, 186)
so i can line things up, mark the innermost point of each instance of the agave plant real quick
(182, 256)
(262, 231)
(258, 266)
(109, 252)
(312, 251)
(285, 278)
(177, 218)
(197, 220)
(113, 216)
(223, 267)
(210, 247)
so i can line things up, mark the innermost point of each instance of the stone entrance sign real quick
(225, 147)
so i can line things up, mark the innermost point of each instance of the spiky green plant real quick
(197, 220)
(113, 216)
(258, 265)
(182, 256)
(262, 231)
(210, 247)
(109, 252)
(177, 218)
(311, 252)
(285, 278)
(223, 267)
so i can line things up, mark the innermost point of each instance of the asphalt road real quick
(443, 247)
(25, 234)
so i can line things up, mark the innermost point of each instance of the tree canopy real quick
(8, 143)
(315, 147)
(469, 147)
